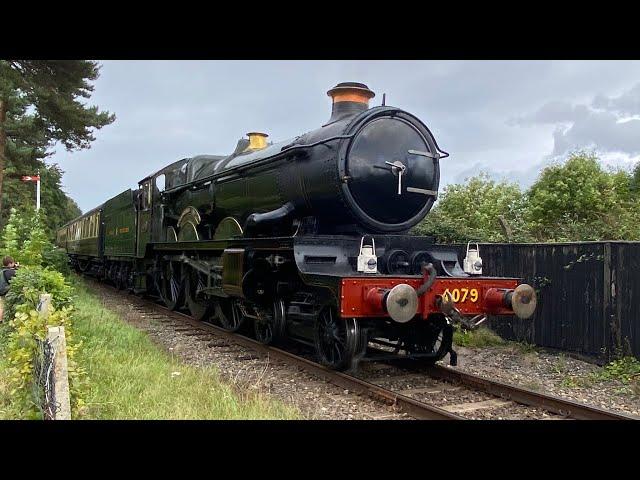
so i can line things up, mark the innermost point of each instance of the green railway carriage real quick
(82, 238)
(103, 241)
(61, 238)
(119, 219)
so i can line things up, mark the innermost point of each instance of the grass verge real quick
(129, 377)
(482, 337)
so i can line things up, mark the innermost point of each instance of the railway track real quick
(434, 393)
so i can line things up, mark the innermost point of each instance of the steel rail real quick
(402, 403)
(552, 403)
(405, 404)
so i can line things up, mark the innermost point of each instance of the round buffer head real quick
(402, 303)
(524, 301)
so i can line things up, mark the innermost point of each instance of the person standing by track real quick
(9, 266)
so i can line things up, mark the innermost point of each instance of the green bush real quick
(26, 240)
(56, 259)
(30, 282)
(480, 338)
(624, 369)
(27, 328)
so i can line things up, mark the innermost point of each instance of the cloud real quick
(606, 124)
(524, 177)
(167, 110)
(551, 113)
(626, 104)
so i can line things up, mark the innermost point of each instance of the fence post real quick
(44, 307)
(611, 330)
(56, 338)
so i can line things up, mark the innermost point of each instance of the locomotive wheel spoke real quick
(229, 314)
(273, 328)
(433, 338)
(339, 342)
(199, 307)
(171, 285)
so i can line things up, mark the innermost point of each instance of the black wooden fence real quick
(587, 294)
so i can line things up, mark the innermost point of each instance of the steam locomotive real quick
(304, 239)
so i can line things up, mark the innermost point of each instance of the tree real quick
(635, 180)
(25, 238)
(41, 104)
(476, 211)
(57, 208)
(578, 200)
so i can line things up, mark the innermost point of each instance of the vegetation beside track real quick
(482, 337)
(131, 378)
(625, 372)
(128, 377)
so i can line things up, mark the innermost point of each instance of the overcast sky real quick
(509, 118)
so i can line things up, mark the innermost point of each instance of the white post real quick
(55, 335)
(38, 193)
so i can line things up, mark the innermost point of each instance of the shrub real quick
(30, 282)
(57, 260)
(626, 370)
(26, 240)
(482, 337)
(27, 329)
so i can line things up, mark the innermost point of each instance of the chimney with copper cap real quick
(349, 98)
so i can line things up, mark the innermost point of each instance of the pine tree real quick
(41, 103)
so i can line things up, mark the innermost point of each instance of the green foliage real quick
(57, 207)
(30, 282)
(27, 327)
(574, 201)
(480, 338)
(56, 89)
(56, 259)
(26, 240)
(471, 211)
(45, 103)
(580, 201)
(575, 381)
(626, 370)
(133, 378)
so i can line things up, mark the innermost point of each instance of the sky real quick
(507, 118)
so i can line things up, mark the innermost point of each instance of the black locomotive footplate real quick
(277, 243)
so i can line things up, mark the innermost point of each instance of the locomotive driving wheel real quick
(199, 306)
(229, 314)
(271, 328)
(340, 343)
(171, 285)
(433, 338)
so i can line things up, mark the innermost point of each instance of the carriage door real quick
(144, 216)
